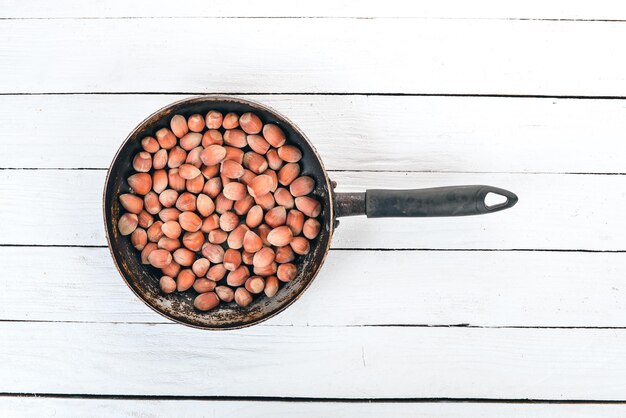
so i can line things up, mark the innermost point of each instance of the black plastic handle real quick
(438, 201)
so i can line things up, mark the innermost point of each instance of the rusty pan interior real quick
(144, 279)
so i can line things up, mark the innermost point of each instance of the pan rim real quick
(262, 108)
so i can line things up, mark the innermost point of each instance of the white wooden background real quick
(519, 313)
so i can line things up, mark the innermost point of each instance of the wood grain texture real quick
(457, 134)
(501, 289)
(387, 362)
(446, 56)
(546, 325)
(43, 407)
(493, 9)
(569, 212)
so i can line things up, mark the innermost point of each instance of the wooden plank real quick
(357, 362)
(50, 207)
(532, 9)
(32, 406)
(473, 134)
(396, 287)
(554, 212)
(253, 55)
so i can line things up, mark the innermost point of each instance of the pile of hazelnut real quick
(220, 207)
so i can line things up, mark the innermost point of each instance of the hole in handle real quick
(495, 200)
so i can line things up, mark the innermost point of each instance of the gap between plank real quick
(308, 399)
(522, 19)
(392, 94)
(566, 173)
(465, 326)
(548, 250)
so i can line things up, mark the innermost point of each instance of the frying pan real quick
(143, 280)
